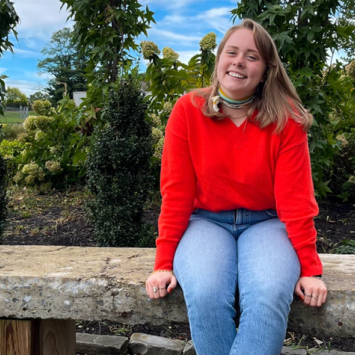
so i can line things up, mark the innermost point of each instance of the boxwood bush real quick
(118, 170)
(3, 196)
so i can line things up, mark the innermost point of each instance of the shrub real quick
(10, 150)
(347, 247)
(3, 197)
(55, 144)
(343, 181)
(11, 131)
(118, 170)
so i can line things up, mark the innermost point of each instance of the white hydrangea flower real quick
(159, 148)
(156, 120)
(18, 177)
(53, 166)
(40, 135)
(29, 123)
(44, 122)
(170, 53)
(149, 48)
(341, 137)
(208, 42)
(157, 134)
(168, 106)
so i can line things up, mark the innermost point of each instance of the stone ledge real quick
(109, 283)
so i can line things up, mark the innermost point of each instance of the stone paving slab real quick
(93, 344)
(144, 344)
(286, 350)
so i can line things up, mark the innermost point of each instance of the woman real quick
(238, 202)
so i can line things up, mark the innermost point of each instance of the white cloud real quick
(40, 18)
(32, 43)
(171, 35)
(2, 70)
(217, 18)
(26, 53)
(216, 12)
(175, 19)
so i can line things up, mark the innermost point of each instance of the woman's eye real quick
(252, 57)
(231, 52)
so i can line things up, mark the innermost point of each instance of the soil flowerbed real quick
(59, 218)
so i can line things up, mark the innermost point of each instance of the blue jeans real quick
(241, 251)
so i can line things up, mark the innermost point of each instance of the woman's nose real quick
(239, 62)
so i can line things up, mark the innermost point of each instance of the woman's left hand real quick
(312, 291)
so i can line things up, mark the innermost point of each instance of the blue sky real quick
(180, 25)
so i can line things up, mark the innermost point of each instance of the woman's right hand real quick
(162, 282)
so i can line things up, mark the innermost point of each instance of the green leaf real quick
(310, 36)
(79, 156)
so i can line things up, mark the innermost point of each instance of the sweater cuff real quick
(164, 257)
(311, 264)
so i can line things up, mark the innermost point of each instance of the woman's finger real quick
(163, 290)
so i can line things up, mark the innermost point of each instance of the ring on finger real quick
(308, 295)
(155, 289)
(315, 297)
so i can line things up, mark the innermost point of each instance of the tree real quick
(8, 21)
(347, 16)
(15, 97)
(65, 62)
(38, 95)
(305, 31)
(105, 31)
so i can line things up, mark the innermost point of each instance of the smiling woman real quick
(238, 202)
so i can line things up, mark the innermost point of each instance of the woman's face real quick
(240, 68)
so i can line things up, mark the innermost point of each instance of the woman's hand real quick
(160, 283)
(312, 291)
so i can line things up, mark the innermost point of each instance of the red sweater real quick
(214, 165)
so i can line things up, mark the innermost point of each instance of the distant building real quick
(78, 96)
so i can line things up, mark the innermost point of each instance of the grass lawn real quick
(13, 117)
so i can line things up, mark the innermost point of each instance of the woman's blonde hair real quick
(276, 98)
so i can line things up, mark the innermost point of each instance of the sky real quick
(180, 25)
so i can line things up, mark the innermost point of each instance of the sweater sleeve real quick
(294, 196)
(178, 187)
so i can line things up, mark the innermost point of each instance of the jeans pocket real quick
(271, 213)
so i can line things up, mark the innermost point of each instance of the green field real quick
(13, 117)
